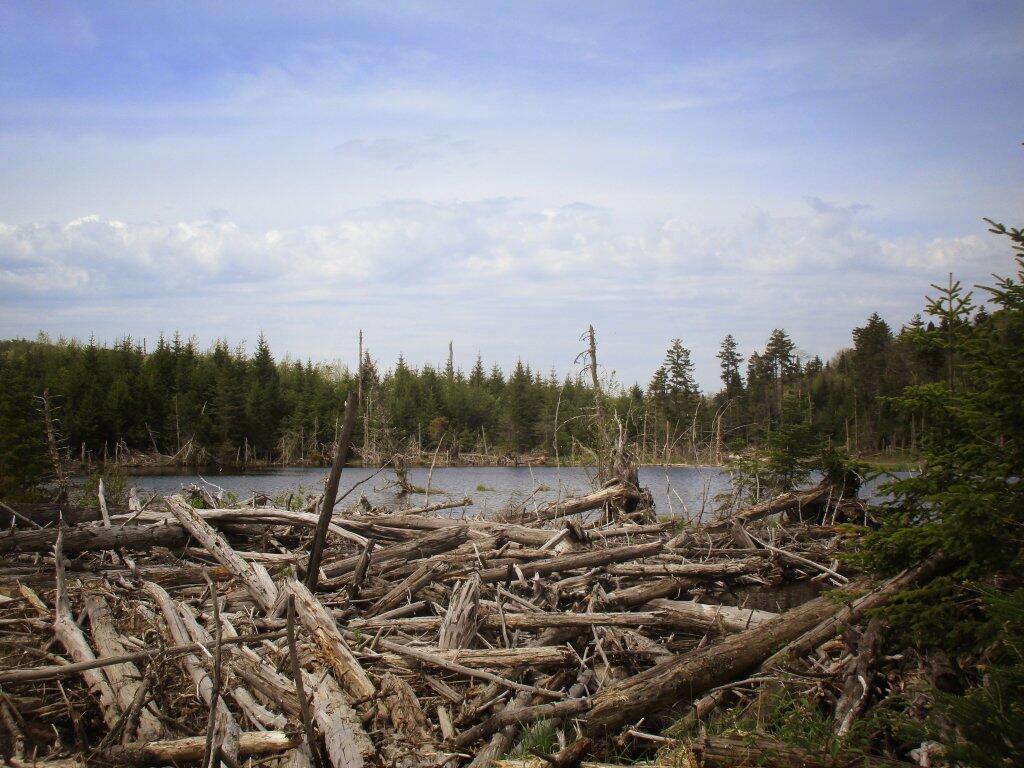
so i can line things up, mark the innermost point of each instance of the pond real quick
(686, 491)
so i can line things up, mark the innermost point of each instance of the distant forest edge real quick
(178, 404)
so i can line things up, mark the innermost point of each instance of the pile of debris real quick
(169, 634)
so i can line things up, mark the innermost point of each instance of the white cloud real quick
(467, 244)
(519, 279)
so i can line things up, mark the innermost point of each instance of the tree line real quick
(225, 405)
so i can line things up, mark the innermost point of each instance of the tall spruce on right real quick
(968, 502)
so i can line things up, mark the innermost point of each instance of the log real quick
(688, 676)
(491, 658)
(575, 560)
(716, 570)
(125, 679)
(347, 744)
(171, 752)
(226, 726)
(922, 572)
(459, 625)
(316, 549)
(70, 636)
(731, 751)
(93, 538)
(857, 685)
(782, 503)
(321, 626)
(254, 576)
(442, 540)
(407, 588)
(631, 597)
(613, 494)
(722, 618)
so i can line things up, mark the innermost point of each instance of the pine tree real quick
(730, 361)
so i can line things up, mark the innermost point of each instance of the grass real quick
(485, 488)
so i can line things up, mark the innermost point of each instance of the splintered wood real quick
(431, 638)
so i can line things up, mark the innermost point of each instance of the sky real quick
(501, 175)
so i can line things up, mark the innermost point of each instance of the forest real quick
(126, 403)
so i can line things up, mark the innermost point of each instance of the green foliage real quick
(115, 489)
(985, 726)
(968, 502)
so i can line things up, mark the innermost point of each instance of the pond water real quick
(685, 491)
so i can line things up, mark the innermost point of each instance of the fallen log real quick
(731, 751)
(852, 613)
(690, 570)
(688, 676)
(575, 560)
(93, 538)
(724, 618)
(782, 503)
(172, 751)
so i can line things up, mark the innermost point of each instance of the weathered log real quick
(575, 560)
(631, 597)
(613, 494)
(320, 624)
(490, 658)
(226, 727)
(316, 549)
(253, 575)
(852, 613)
(692, 674)
(782, 503)
(125, 679)
(407, 588)
(520, 716)
(154, 753)
(347, 744)
(93, 538)
(70, 636)
(704, 570)
(539, 620)
(442, 540)
(724, 618)
(460, 622)
(857, 685)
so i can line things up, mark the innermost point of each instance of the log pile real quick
(177, 635)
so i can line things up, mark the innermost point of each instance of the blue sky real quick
(501, 174)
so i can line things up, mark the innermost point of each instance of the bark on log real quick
(692, 674)
(782, 503)
(90, 538)
(731, 751)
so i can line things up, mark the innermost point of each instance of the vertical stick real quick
(300, 688)
(211, 754)
(330, 494)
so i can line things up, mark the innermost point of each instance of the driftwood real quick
(427, 640)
